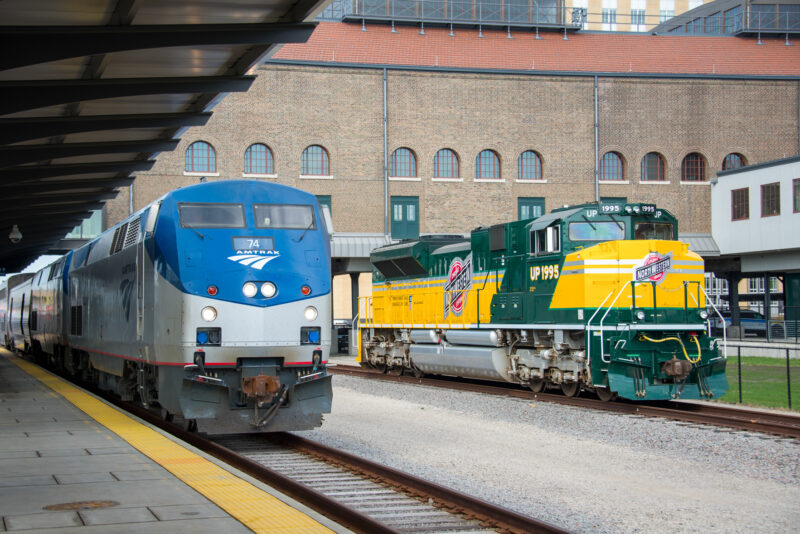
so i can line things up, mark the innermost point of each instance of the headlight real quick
(208, 313)
(268, 289)
(249, 289)
(310, 314)
(703, 314)
(639, 315)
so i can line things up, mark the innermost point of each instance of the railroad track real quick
(778, 424)
(358, 494)
(395, 500)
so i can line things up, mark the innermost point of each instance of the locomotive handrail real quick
(589, 332)
(722, 320)
(610, 306)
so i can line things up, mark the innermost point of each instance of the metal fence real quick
(742, 377)
(783, 328)
(554, 13)
(506, 13)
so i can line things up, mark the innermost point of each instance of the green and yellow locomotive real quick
(599, 296)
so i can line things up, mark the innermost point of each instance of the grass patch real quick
(763, 382)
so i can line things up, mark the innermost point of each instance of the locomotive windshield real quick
(210, 215)
(596, 230)
(649, 230)
(289, 216)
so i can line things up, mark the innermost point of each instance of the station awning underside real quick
(92, 90)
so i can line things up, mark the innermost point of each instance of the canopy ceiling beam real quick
(40, 44)
(24, 95)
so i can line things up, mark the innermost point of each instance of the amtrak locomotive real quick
(212, 303)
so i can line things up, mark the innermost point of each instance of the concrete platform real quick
(71, 462)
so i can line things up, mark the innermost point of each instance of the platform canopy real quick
(92, 90)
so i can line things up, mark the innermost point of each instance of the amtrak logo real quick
(126, 293)
(256, 261)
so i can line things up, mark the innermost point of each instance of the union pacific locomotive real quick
(601, 297)
(212, 303)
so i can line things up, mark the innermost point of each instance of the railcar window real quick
(596, 231)
(546, 241)
(211, 215)
(647, 230)
(284, 216)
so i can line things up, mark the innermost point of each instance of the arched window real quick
(693, 168)
(529, 166)
(612, 167)
(733, 160)
(315, 161)
(487, 165)
(200, 157)
(258, 160)
(403, 164)
(445, 164)
(653, 168)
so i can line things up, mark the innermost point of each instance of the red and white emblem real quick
(654, 268)
(459, 280)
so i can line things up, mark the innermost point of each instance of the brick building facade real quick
(330, 93)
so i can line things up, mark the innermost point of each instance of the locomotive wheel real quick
(605, 394)
(417, 371)
(570, 389)
(536, 385)
(382, 367)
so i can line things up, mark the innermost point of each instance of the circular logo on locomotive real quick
(459, 280)
(457, 303)
(654, 268)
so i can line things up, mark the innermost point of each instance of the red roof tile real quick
(334, 42)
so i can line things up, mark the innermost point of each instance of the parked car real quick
(753, 322)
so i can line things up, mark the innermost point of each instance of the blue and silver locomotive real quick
(212, 302)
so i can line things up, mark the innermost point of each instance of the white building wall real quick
(757, 234)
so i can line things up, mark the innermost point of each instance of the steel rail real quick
(497, 517)
(784, 425)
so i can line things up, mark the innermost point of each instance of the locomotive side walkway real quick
(70, 461)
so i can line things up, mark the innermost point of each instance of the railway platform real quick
(70, 461)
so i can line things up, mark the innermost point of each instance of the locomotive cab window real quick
(648, 230)
(596, 231)
(546, 241)
(288, 216)
(211, 215)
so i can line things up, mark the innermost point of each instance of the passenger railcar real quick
(212, 303)
(599, 296)
(19, 308)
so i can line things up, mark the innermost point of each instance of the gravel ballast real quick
(583, 470)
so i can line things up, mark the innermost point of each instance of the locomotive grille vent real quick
(133, 232)
(119, 239)
(497, 238)
(76, 320)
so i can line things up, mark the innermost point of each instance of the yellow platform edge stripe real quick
(253, 507)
